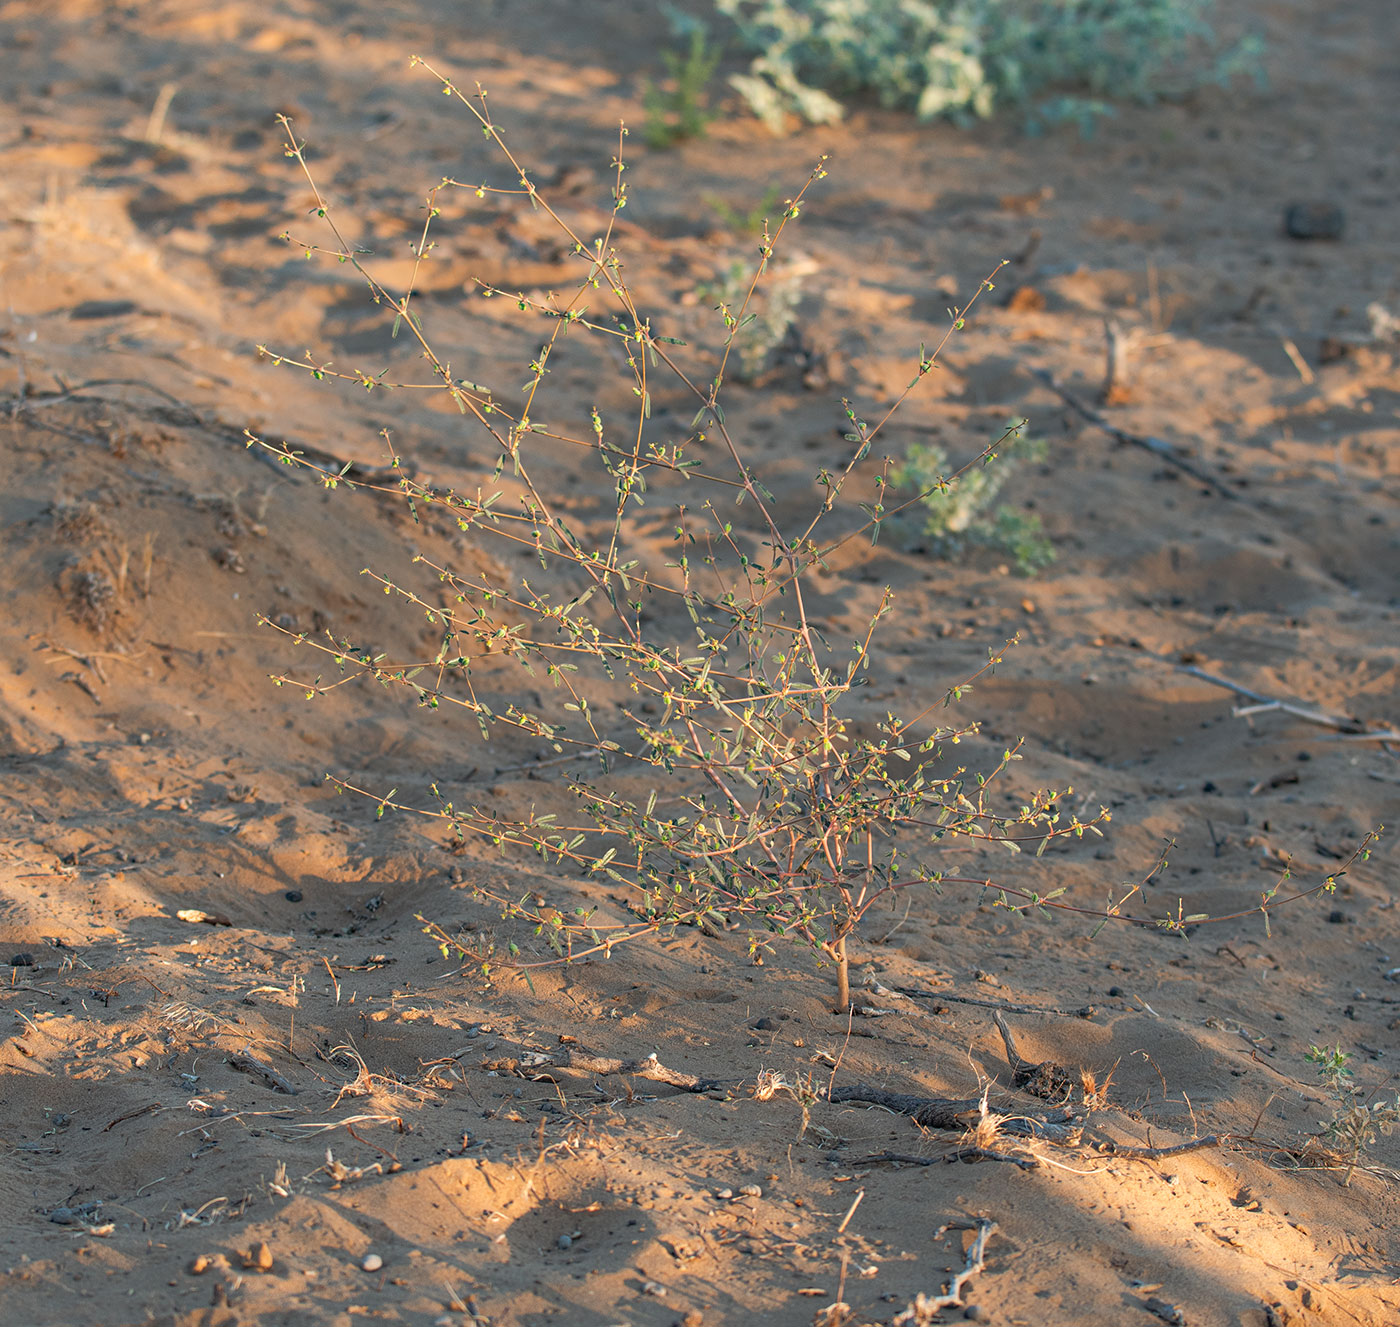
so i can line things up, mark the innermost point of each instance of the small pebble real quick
(724, 1194)
(1337, 917)
(1115, 991)
(25, 960)
(565, 1241)
(292, 896)
(371, 1262)
(1314, 221)
(976, 1313)
(693, 1319)
(764, 1025)
(258, 1259)
(751, 1191)
(655, 1289)
(200, 1265)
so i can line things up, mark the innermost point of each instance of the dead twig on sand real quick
(251, 1065)
(82, 392)
(1155, 1153)
(1262, 704)
(1010, 1007)
(532, 1063)
(921, 1312)
(1159, 448)
(957, 1154)
(1059, 1126)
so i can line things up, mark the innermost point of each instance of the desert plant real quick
(966, 58)
(756, 327)
(681, 111)
(1356, 1122)
(752, 221)
(956, 516)
(737, 783)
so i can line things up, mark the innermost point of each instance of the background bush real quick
(1064, 59)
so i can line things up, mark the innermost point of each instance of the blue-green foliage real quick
(1060, 59)
(964, 513)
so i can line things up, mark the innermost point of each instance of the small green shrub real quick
(962, 515)
(682, 111)
(1063, 59)
(752, 221)
(1355, 1123)
(730, 775)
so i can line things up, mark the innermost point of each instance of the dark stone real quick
(764, 1025)
(1314, 221)
(25, 960)
(1115, 991)
(1336, 917)
(101, 308)
(976, 1313)
(292, 896)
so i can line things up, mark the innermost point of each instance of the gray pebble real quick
(372, 1262)
(1314, 221)
(751, 1191)
(565, 1241)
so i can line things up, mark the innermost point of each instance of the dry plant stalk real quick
(789, 818)
(924, 1311)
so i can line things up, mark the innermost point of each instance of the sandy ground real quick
(149, 766)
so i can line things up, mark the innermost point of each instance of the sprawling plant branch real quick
(788, 811)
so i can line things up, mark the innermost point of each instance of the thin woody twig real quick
(957, 1154)
(1159, 448)
(252, 1065)
(1010, 1007)
(925, 1306)
(958, 1112)
(991, 1154)
(1154, 1153)
(1357, 730)
(648, 1067)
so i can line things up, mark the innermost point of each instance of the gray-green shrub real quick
(1062, 59)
